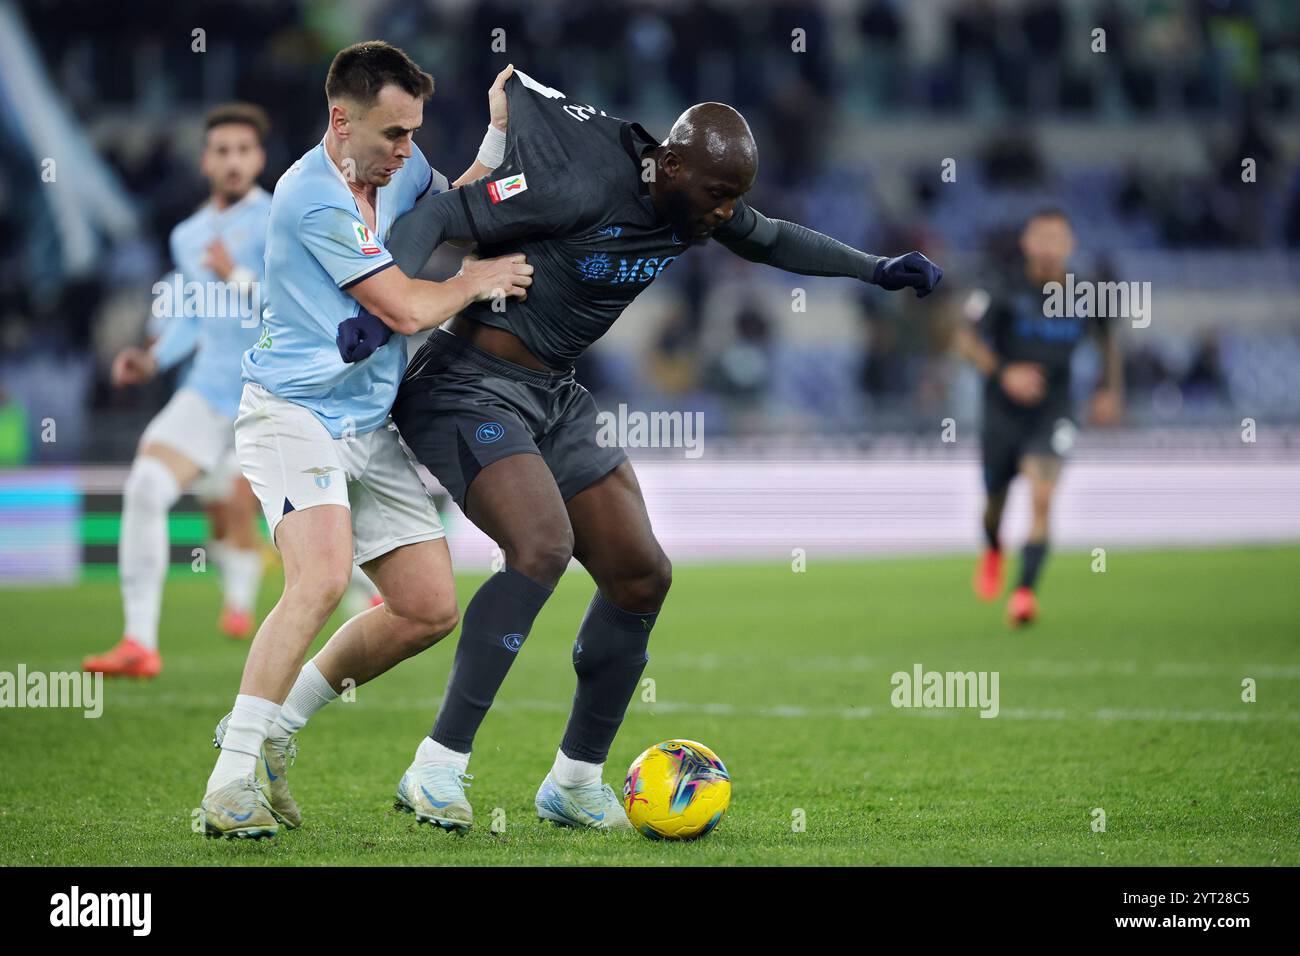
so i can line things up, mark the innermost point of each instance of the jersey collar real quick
(635, 141)
(329, 161)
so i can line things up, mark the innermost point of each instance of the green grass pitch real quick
(1126, 696)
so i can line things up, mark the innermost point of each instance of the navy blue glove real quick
(912, 270)
(361, 335)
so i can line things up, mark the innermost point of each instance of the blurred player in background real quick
(1028, 426)
(193, 435)
(228, 502)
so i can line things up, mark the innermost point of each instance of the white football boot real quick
(435, 793)
(272, 774)
(239, 810)
(593, 806)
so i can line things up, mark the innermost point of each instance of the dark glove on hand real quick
(912, 270)
(361, 335)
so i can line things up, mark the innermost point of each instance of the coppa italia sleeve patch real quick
(365, 241)
(505, 188)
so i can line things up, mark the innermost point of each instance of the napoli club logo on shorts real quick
(513, 642)
(321, 475)
(489, 432)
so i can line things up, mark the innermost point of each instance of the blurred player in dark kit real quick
(1024, 352)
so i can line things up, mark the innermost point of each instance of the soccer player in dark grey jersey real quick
(490, 405)
(1028, 425)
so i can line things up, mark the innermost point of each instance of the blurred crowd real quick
(828, 86)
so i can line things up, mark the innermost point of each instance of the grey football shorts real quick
(460, 408)
(1009, 432)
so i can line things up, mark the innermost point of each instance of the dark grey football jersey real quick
(572, 197)
(1015, 327)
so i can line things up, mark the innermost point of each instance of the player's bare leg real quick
(989, 572)
(1042, 472)
(157, 477)
(241, 559)
(316, 546)
(615, 543)
(216, 512)
(418, 610)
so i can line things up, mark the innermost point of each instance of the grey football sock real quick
(609, 656)
(497, 622)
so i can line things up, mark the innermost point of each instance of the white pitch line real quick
(371, 703)
(1035, 667)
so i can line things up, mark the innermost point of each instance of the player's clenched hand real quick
(509, 275)
(1023, 382)
(359, 336)
(133, 366)
(497, 98)
(910, 271)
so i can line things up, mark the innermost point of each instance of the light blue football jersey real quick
(200, 316)
(318, 246)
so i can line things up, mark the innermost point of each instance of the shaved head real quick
(708, 162)
(715, 138)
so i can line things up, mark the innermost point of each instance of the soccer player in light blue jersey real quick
(313, 433)
(208, 304)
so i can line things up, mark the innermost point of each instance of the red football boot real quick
(129, 658)
(1022, 608)
(988, 576)
(237, 625)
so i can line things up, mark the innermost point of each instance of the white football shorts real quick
(189, 425)
(215, 486)
(294, 463)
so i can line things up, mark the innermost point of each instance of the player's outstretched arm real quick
(795, 248)
(392, 302)
(177, 342)
(488, 213)
(435, 219)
